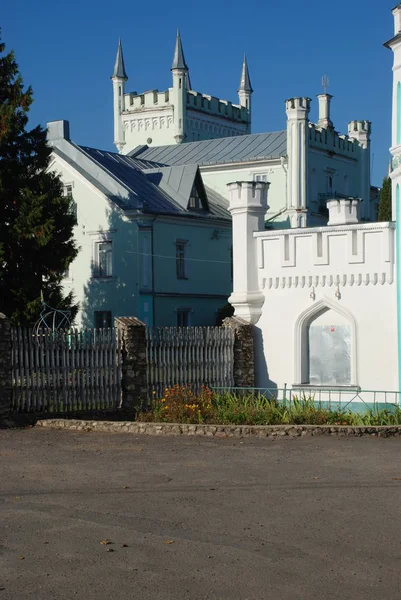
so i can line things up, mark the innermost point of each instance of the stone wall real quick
(134, 365)
(220, 431)
(244, 361)
(5, 367)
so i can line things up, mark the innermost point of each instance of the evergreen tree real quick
(36, 218)
(385, 201)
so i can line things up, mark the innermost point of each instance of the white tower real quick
(248, 206)
(360, 131)
(297, 149)
(245, 91)
(395, 45)
(179, 70)
(119, 78)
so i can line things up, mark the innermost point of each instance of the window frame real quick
(186, 313)
(181, 259)
(97, 267)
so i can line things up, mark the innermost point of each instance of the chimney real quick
(343, 211)
(324, 111)
(58, 130)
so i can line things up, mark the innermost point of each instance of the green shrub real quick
(181, 405)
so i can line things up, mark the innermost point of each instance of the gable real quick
(183, 183)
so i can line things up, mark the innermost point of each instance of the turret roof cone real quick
(245, 83)
(119, 67)
(179, 59)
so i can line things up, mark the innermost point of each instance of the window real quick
(180, 252)
(183, 317)
(73, 205)
(260, 177)
(103, 265)
(195, 202)
(231, 263)
(102, 319)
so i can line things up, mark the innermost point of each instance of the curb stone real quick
(219, 431)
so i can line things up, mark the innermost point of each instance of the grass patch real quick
(181, 405)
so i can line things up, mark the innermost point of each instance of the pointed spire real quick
(245, 83)
(179, 59)
(119, 67)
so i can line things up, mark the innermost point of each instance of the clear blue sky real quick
(66, 51)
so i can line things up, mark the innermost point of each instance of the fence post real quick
(244, 358)
(5, 367)
(134, 361)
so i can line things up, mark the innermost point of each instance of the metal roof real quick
(158, 191)
(126, 172)
(241, 148)
(179, 58)
(177, 182)
(119, 67)
(245, 82)
(218, 203)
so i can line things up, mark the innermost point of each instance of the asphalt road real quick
(197, 519)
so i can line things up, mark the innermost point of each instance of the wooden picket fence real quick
(193, 356)
(65, 371)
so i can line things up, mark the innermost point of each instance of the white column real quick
(248, 206)
(179, 103)
(297, 149)
(118, 106)
(360, 130)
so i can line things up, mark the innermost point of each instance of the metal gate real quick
(65, 371)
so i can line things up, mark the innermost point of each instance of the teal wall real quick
(145, 283)
(208, 270)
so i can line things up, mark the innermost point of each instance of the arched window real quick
(398, 140)
(325, 342)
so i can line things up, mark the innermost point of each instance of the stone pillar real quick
(134, 362)
(244, 358)
(5, 367)
(248, 206)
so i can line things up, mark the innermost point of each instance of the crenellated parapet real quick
(332, 141)
(150, 99)
(217, 107)
(324, 257)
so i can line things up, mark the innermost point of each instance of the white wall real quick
(349, 269)
(217, 178)
(155, 124)
(99, 220)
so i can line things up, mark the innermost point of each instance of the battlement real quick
(216, 106)
(149, 99)
(298, 105)
(331, 140)
(357, 127)
(248, 195)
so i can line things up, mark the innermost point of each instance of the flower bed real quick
(180, 404)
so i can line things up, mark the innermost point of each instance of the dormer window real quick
(195, 203)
